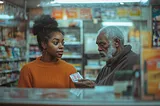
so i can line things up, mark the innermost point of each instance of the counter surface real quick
(97, 96)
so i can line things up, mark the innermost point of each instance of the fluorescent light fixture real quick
(1, 1)
(117, 23)
(95, 1)
(38, 5)
(52, 2)
(121, 3)
(144, 1)
(6, 17)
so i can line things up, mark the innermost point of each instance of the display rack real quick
(92, 59)
(12, 43)
(73, 51)
(151, 57)
(12, 56)
(155, 26)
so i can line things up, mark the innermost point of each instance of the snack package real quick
(76, 76)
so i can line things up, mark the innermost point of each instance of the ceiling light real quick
(144, 1)
(1, 1)
(95, 1)
(121, 3)
(6, 17)
(117, 24)
(38, 5)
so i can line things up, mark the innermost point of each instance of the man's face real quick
(105, 47)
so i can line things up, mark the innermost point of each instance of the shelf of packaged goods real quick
(71, 57)
(17, 46)
(8, 71)
(34, 56)
(33, 44)
(12, 60)
(138, 18)
(8, 82)
(93, 67)
(128, 19)
(92, 52)
(78, 68)
(72, 43)
(156, 21)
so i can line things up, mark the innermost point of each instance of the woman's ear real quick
(43, 44)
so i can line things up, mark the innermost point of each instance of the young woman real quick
(47, 71)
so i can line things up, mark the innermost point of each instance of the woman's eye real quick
(63, 43)
(55, 43)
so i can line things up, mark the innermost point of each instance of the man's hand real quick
(84, 83)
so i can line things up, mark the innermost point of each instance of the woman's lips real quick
(60, 52)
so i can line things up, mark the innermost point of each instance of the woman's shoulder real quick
(29, 64)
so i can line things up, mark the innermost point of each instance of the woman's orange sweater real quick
(38, 74)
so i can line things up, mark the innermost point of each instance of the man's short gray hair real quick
(112, 32)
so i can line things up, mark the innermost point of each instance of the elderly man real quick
(118, 57)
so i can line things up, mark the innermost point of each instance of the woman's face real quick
(55, 45)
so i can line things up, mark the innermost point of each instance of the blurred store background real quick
(138, 19)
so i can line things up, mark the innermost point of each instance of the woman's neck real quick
(48, 59)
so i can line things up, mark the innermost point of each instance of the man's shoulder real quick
(133, 58)
(133, 55)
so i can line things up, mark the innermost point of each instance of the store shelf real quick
(12, 46)
(8, 82)
(33, 44)
(72, 43)
(12, 60)
(71, 57)
(9, 71)
(156, 20)
(138, 18)
(78, 68)
(92, 53)
(93, 67)
(126, 19)
(34, 56)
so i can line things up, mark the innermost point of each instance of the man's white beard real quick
(109, 54)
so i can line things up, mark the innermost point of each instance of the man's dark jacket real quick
(124, 61)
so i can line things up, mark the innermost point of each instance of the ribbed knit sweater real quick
(38, 74)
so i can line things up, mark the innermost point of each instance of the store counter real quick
(98, 96)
